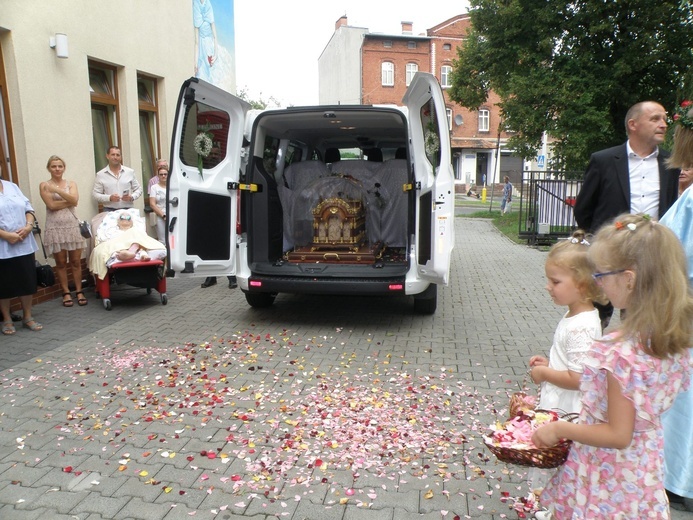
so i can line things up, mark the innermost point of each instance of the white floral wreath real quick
(203, 144)
(431, 143)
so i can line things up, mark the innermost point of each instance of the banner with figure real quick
(215, 50)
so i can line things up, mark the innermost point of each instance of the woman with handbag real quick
(17, 261)
(62, 237)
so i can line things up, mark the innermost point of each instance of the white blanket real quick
(102, 253)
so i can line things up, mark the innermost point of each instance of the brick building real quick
(358, 66)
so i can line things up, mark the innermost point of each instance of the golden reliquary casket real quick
(339, 234)
(339, 224)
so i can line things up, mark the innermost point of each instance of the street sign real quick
(540, 161)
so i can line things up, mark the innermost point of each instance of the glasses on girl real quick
(125, 217)
(598, 276)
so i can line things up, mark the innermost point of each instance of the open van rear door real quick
(203, 182)
(434, 176)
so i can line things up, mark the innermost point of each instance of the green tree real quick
(573, 69)
(259, 104)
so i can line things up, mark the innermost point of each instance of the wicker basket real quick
(551, 457)
(519, 402)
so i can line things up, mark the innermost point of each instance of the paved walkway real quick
(318, 408)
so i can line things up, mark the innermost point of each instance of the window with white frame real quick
(447, 47)
(387, 44)
(484, 119)
(411, 45)
(446, 76)
(388, 73)
(448, 116)
(412, 68)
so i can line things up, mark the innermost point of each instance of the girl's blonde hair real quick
(660, 306)
(571, 254)
(55, 158)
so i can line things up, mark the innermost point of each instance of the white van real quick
(316, 200)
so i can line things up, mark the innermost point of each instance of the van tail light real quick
(255, 283)
(238, 212)
(396, 287)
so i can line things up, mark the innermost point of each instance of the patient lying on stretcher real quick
(126, 243)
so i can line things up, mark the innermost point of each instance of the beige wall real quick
(49, 97)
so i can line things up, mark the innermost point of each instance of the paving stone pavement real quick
(317, 408)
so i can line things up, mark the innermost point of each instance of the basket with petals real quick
(511, 441)
(523, 401)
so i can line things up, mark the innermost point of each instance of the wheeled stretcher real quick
(149, 274)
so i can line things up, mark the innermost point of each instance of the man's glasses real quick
(598, 276)
(125, 217)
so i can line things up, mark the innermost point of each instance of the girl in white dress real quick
(570, 284)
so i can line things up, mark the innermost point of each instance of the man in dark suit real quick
(630, 178)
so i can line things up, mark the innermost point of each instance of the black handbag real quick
(45, 277)
(84, 229)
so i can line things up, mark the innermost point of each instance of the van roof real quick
(340, 126)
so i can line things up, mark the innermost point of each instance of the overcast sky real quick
(278, 42)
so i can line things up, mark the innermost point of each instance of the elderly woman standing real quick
(17, 262)
(63, 239)
(157, 201)
(678, 420)
(685, 178)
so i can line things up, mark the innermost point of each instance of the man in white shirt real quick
(115, 187)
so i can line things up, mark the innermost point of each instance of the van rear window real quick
(205, 136)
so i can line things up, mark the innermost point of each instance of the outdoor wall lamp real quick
(59, 43)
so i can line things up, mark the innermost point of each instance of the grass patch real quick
(508, 224)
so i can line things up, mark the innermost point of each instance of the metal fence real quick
(546, 206)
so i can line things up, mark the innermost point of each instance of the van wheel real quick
(427, 301)
(259, 300)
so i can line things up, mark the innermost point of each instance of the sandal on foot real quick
(32, 324)
(67, 303)
(8, 328)
(81, 301)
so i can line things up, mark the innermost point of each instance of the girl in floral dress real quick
(615, 468)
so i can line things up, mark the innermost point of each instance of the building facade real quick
(358, 66)
(73, 85)
(79, 76)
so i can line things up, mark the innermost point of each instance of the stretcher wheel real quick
(164, 299)
(107, 304)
